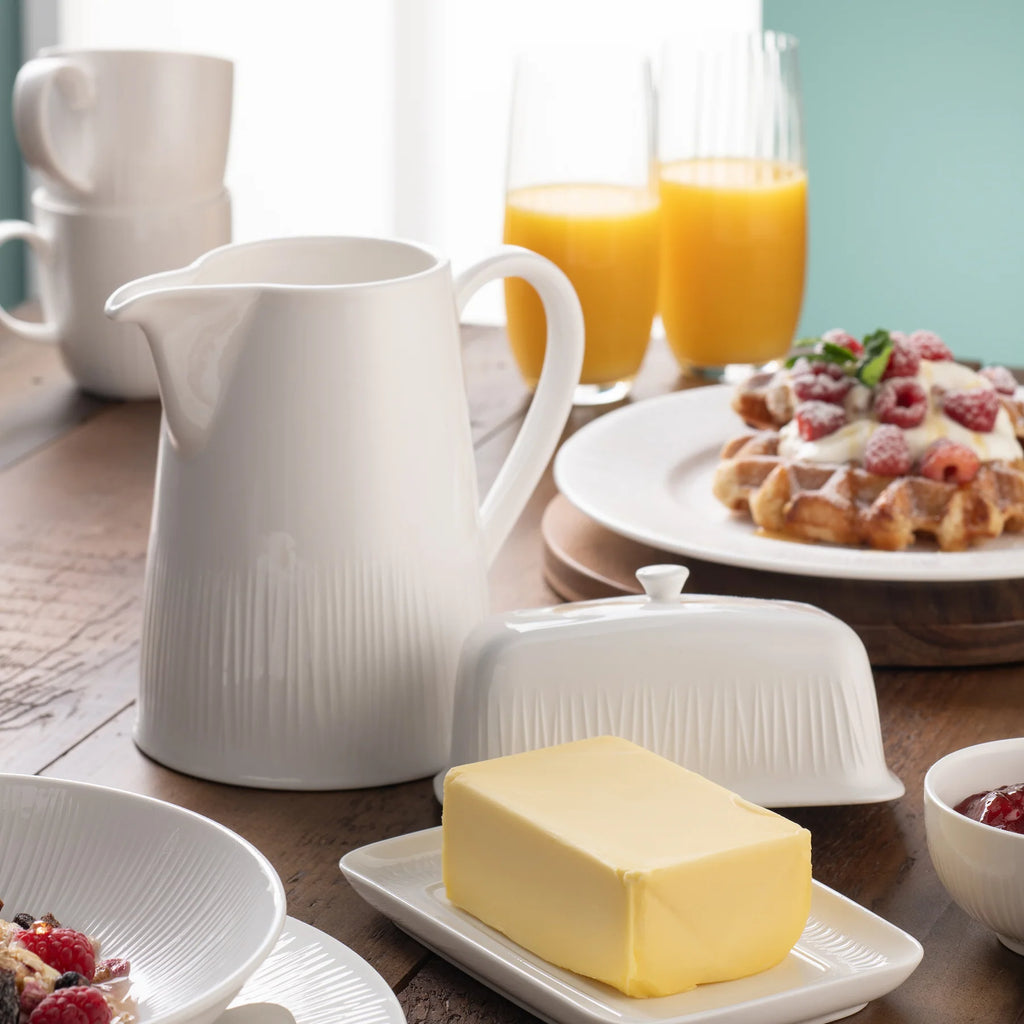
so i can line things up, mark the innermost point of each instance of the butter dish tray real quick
(312, 978)
(846, 957)
(774, 700)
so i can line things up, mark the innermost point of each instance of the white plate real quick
(312, 978)
(139, 875)
(846, 957)
(644, 471)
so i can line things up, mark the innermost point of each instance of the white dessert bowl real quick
(982, 867)
(193, 907)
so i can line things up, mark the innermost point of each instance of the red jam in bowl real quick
(1001, 808)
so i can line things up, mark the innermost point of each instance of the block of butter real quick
(618, 864)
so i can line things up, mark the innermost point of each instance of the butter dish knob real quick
(663, 582)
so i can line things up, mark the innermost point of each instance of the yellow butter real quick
(618, 864)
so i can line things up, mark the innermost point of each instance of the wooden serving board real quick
(919, 624)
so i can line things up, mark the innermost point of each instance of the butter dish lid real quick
(773, 699)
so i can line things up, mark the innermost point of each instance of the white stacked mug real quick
(131, 147)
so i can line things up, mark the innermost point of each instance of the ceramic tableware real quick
(702, 680)
(846, 956)
(312, 978)
(645, 472)
(112, 127)
(318, 552)
(981, 866)
(82, 255)
(141, 876)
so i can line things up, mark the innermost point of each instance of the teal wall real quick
(12, 283)
(915, 140)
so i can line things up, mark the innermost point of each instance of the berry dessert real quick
(51, 975)
(1001, 808)
(878, 442)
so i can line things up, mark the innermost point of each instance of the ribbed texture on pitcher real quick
(317, 678)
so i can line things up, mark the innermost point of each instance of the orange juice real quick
(605, 239)
(733, 251)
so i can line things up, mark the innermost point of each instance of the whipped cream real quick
(847, 443)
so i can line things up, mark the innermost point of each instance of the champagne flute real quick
(581, 190)
(733, 186)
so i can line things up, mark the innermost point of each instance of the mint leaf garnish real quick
(867, 367)
(876, 341)
(870, 371)
(877, 350)
(834, 353)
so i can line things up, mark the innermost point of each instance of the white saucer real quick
(846, 956)
(311, 978)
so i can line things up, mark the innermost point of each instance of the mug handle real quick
(552, 401)
(33, 89)
(47, 330)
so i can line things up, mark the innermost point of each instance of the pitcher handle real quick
(552, 401)
(10, 230)
(33, 89)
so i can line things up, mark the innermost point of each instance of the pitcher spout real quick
(195, 332)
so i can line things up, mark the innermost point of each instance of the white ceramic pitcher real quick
(317, 553)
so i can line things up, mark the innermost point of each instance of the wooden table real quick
(76, 478)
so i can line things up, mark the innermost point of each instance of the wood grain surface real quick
(949, 623)
(75, 500)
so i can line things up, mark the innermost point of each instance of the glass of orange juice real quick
(733, 185)
(581, 190)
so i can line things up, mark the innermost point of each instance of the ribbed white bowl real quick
(194, 907)
(981, 867)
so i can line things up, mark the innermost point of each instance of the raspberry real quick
(63, 949)
(818, 419)
(973, 408)
(929, 345)
(904, 361)
(832, 370)
(901, 401)
(33, 992)
(820, 387)
(819, 366)
(840, 337)
(78, 1005)
(887, 452)
(949, 461)
(1000, 378)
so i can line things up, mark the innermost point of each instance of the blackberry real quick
(69, 979)
(24, 920)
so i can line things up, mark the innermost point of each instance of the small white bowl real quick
(193, 907)
(982, 867)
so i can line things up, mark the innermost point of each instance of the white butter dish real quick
(846, 956)
(773, 699)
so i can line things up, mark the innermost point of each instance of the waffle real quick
(847, 505)
(762, 402)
